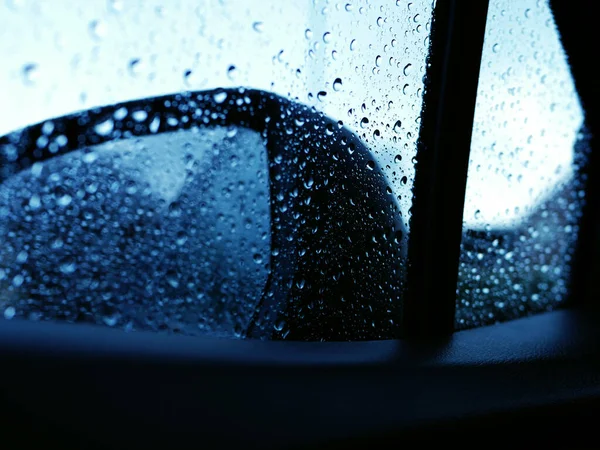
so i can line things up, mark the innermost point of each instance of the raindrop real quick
(337, 84)
(327, 37)
(231, 72)
(496, 48)
(407, 69)
(364, 122)
(348, 7)
(140, 115)
(153, 127)
(397, 126)
(258, 27)
(308, 33)
(378, 60)
(35, 202)
(97, 29)
(68, 267)
(48, 127)
(104, 128)
(173, 279)
(321, 95)
(371, 165)
(258, 259)
(220, 97)
(279, 324)
(111, 320)
(135, 66)
(352, 44)
(9, 313)
(18, 280)
(120, 113)
(30, 73)
(22, 257)
(115, 5)
(380, 21)
(186, 76)
(64, 200)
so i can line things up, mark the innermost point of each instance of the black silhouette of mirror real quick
(230, 212)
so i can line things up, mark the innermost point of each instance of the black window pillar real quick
(442, 161)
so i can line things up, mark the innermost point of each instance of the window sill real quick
(106, 386)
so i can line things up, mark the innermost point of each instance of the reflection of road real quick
(163, 232)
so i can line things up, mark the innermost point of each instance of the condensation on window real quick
(524, 196)
(102, 233)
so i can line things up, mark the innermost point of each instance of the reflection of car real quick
(493, 285)
(192, 248)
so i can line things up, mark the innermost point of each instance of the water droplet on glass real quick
(380, 21)
(220, 97)
(407, 69)
(135, 66)
(364, 122)
(111, 320)
(258, 259)
(18, 280)
(378, 60)
(258, 27)
(105, 128)
(371, 165)
(120, 113)
(327, 37)
(397, 126)
(140, 115)
(35, 202)
(153, 127)
(68, 267)
(337, 84)
(279, 325)
(397, 159)
(231, 72)
(352, 44)
(9, 313)
(64, 200)
(22, 257)
(30, 73)
(308, 33)
(173, 279)
(186, 76)
(321, 95)
(496, 48)
(97, 29)
(115, 5)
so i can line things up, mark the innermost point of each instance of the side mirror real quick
(337, 242)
